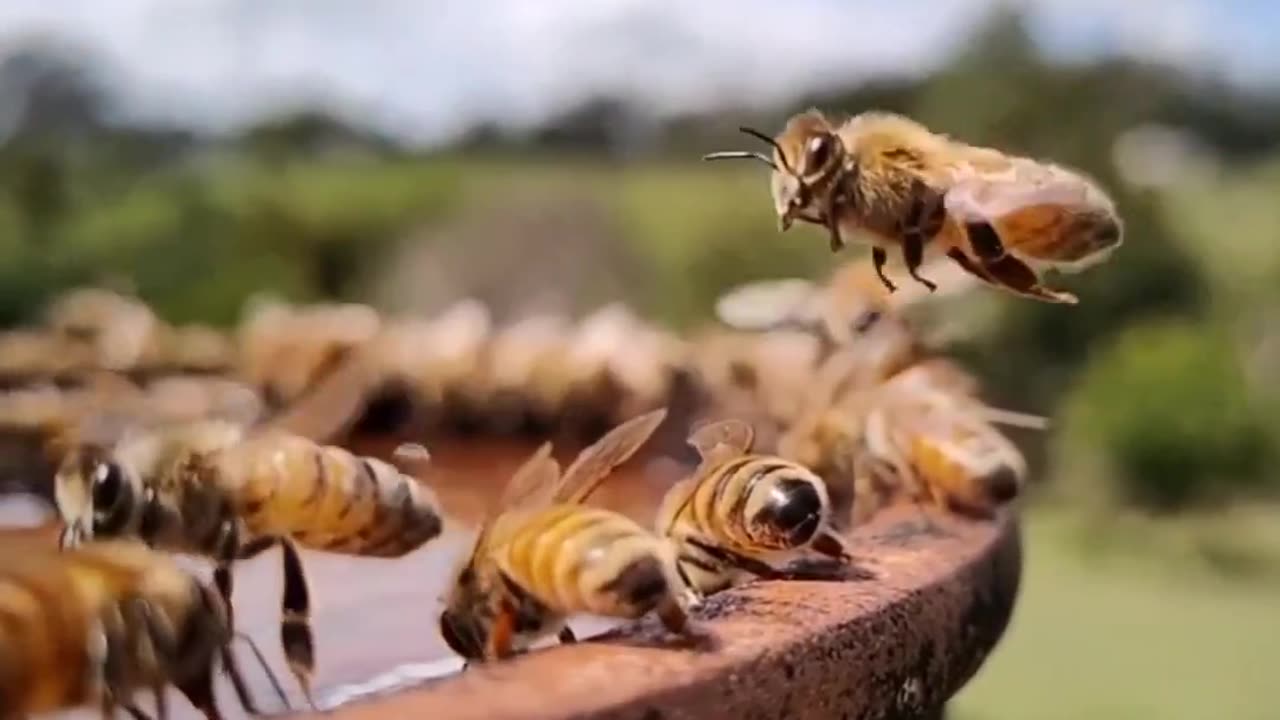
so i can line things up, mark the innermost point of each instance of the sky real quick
(426, 70)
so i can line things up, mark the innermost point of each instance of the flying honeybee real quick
(542, 555)
(1001, 217)
(738, 510)
(98, 625)
(211, 489)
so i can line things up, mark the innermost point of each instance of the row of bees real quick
(183, 439)
(850, 410)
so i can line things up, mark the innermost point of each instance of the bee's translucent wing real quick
(598, 460)
(771, 304)
(534, 479)
(1045, 215)
(333, 403)
(530, 485)
(721, 439)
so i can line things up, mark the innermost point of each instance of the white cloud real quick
(425, 70)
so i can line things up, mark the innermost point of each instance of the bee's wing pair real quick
(538, 482)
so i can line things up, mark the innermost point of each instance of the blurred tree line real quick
(1161, 378)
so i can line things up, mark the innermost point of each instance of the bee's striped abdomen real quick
(43, 645)
(710, 511)
(583, 559)
(329, 499)
(727, 502)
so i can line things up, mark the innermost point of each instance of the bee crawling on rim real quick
(95, 626)
(1002, 218)
(226, 492)
(738, 511)
(541, 555)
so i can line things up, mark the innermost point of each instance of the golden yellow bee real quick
(920, 434)
(1001, 217)
(739, 510)
(542, 555)
(98, 625)
(214, 490)
(284, 349)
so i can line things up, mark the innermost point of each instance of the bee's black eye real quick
(108, 481)
(818, 152)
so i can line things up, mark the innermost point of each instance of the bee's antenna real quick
(781, 155)
(237, 680)
(730, 154)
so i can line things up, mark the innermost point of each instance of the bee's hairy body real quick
(951, 456)
(210, 490)
(187, 486)
(574, 558)
(542, 554)
(739, 511)
(98, 624)
(886, 178)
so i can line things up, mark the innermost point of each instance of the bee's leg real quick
(156, 632)
(763, 570)
(162, 702)
(566, 636)
(878, 258)
(501, 634)
(295, 619)
(1019, 277)
(673, 616)
(913, 257)
(924, 220)
(136, 712)
(198, 689)
(226, 547)
(832, 545)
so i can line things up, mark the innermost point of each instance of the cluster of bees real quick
(186, 440)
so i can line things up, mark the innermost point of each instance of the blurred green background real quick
(1152, 585)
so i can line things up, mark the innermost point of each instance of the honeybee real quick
(943, 444)
(213, 489)
(1002, 218)
(921, 434)
(284, 349)
(31, 353)
(438, 357)
(738, 510)
(119, 328)
(541, 555)
(96, 626)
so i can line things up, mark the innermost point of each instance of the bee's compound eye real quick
(108, 481)
(818, 152)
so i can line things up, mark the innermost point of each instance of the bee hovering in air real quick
(1002, 218)
(542, 555)
(214, 490)
(738, 507)
(96, 626)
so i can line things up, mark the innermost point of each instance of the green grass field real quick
(1136, 636)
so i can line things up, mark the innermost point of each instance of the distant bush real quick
(1168, 417)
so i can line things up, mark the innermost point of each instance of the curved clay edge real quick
(895, 646)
